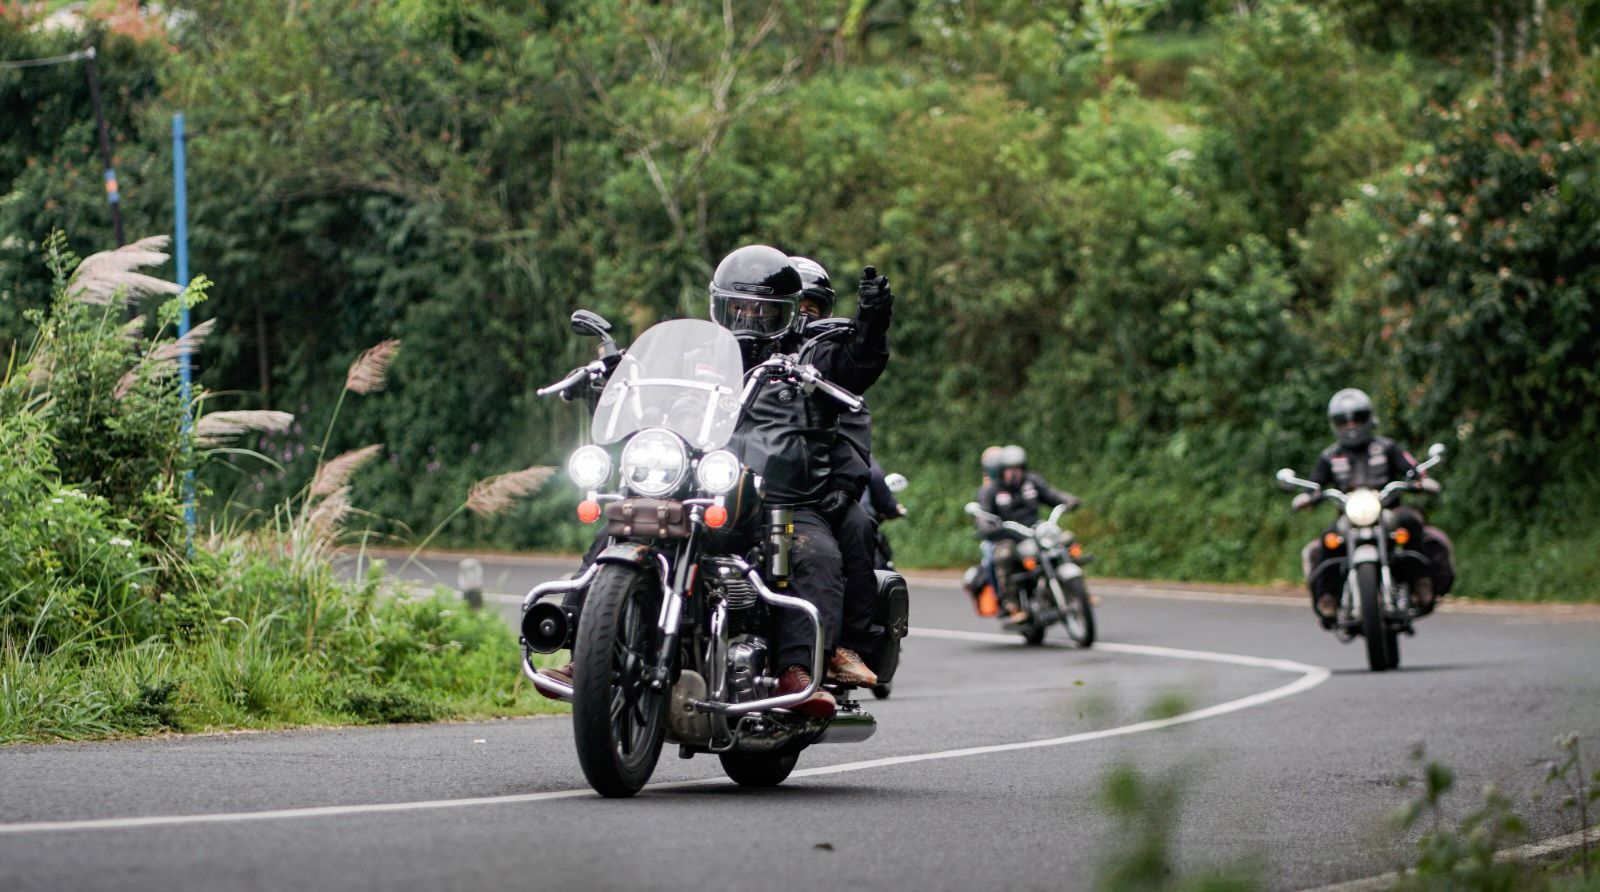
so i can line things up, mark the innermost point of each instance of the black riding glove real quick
(833, 505)
(873, 294)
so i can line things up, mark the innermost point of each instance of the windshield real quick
(684, 375)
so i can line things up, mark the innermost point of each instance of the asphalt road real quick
(1288, 755)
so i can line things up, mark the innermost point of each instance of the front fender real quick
(1364, 554)
(636, 553)
(1068, 571)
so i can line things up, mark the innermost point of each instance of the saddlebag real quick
(639, 518)
(891, 621)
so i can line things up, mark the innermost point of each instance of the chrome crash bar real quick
(782, 701)
(549, 686)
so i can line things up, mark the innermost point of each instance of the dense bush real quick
(1146, 242)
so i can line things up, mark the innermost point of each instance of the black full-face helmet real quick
(755, 293)
(1351, 417)
(816, 288)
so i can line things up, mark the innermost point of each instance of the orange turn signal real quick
(1402, 536)
(1029, 563)
(1332, 541)
(716, 516)
(1075, 550)
(588, 511)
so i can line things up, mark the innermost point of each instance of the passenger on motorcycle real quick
(1359, 458)
(788, 436)
(1014, 493)
(852, 527)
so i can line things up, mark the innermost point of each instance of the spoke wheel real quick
(618, 721)
(1078, 615)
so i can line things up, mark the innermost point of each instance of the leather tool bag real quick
(640, 518)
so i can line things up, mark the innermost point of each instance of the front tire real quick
(617, 720)
(1078, 618)
(1373, 626)
(759, 769)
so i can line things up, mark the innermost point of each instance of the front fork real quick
(677, 580)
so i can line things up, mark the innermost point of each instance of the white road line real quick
(1310, 677)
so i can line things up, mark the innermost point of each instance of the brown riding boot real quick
(820, 705)
(847, 667)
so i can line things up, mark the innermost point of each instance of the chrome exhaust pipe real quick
(851, 724)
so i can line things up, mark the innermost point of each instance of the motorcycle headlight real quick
(718, 472)
(1363, 507)
(589, 467)
(654, 462)
(1049, 534)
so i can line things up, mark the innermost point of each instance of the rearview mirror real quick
(896, 482)
(1436, 450)
(1286, 478)
(973, 509)
(588, 322)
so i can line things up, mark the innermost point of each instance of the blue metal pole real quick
(180, 201)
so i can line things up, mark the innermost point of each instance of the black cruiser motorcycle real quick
(1371, 560)
(1050, 586)
(671, 644)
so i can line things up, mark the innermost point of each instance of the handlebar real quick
(1340, 496)
(1011, 525)
(804, 374)
(598, 367)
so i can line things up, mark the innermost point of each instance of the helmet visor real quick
(760, 315)
(1346, 419)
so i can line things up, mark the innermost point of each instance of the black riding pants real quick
(816, 575)
(858, 541)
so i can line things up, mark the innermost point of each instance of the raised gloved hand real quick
(1303, 501)
(873, 294)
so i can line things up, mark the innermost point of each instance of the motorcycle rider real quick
(1359, 458)
(1013, 493)
(788, 436)
(852, 527)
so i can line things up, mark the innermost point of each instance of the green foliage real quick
(1141, 858)
(1145, 240)
(1467, 852)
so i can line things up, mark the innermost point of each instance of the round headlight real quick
(1048, 533)
(1363, 507)
(589, 466)
(654, 462)
(718, 472)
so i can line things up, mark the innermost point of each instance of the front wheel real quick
(759, 769)
(1077, 615)
(617, 719)
(1373, 627)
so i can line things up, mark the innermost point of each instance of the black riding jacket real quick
(1379, 462)
(1020, 503)
(787, 436)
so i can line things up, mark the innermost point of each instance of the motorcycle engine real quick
(747, 660)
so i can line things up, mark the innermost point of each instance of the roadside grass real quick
(113, 623)
(416, 659)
